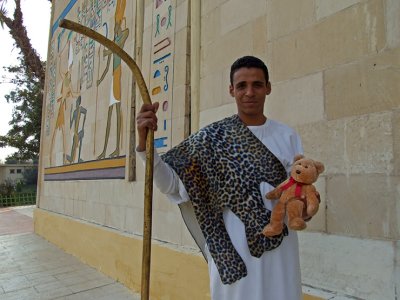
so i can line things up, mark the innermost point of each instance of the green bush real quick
(7, 188)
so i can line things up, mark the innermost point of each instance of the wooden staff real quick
(148, 191)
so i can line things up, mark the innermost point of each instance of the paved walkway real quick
(32, 268)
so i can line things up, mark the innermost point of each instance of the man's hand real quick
(145, 120)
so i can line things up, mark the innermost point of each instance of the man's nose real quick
(250, 91)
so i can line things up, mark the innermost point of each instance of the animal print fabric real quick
(221, 166)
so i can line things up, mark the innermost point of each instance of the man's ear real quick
(231, 90)
(269, 88)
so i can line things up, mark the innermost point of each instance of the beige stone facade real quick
(334, 68)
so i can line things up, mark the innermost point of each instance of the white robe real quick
(276, 274)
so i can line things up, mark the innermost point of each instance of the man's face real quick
(249, 88)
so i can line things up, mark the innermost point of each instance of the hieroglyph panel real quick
(162, 69)
(88, 92)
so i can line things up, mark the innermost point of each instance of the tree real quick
(18, 32)
(27, 113)
(28, 95)
(30, 175)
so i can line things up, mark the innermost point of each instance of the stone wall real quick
(334, 68)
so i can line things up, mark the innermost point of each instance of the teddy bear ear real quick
(319, 166)
(297, 157)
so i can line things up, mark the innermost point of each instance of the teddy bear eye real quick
(306, 167)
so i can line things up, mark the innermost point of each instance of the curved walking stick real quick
(148, 191)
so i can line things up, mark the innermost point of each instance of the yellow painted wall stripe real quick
(174, 275)
(91, 165)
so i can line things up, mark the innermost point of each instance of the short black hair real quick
(249, 62)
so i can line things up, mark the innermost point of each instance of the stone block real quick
(115, 216)
(98, 213)
(122, 193)
(210, 26)
(211, 89)
(362, 206)
(69, 207)
(181, 15)
(294, 55)
(225, 83)
(59, 205)
(297, 101)
(140, 170)
(396, 266)
(146, 54)
(78, 209)
(210, 5)
(396, 141)
(134, 220)
(369, 144)
(180, 74)
(393, 23)
(87, 211)
(105, 192)
(286, 16)
(137, 199)
(249, 10)
(325, 9)
(92, 191)
(358, 145)
(259, 36)
(179, 102)
(349, 267)
(369, 85)
(360, 28)
(79, 194)
(219, 55)
(178, 131)
(324, 141)
(161, 201)
(148, 16)
(180, 42)
(167, 225)
(44, 202)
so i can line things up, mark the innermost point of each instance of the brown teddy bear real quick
(297, 196)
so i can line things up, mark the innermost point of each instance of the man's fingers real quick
(144, 123)
(156, 105)
(150, 107)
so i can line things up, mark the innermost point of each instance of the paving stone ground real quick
(32, 268)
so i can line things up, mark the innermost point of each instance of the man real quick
(224, 172)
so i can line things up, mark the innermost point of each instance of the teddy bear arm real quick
(274, 194)
(312, 200)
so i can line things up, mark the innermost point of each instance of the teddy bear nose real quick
(298, 171)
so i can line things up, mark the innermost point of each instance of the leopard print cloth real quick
(221, 166)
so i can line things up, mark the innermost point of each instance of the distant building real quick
(13, 172)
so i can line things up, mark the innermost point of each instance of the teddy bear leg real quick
(295, 211)
(275, 225)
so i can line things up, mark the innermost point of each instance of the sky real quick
(37, 22)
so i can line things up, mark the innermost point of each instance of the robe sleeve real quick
(166, 180)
